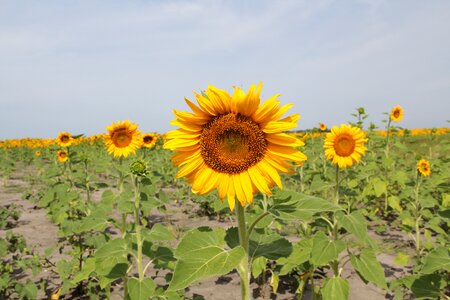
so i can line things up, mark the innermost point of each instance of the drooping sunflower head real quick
(62, 155)
(345, 145)
(234, 144)
(122, 139)
(37, 153)
(396, 113)
(64, 139)
(322, 127)
(423, 167)
(149, 140)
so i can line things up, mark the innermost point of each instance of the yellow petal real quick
(259, 181)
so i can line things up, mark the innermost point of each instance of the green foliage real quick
(201, 254)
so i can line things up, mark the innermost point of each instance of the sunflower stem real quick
(243, 268)
(124, 224)
(418, 215)
(137, 227)
(388, 133)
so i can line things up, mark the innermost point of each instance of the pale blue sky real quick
(78, 66)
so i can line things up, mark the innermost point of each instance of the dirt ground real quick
(41, 233)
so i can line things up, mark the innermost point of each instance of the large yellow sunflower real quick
(397, 113)
(62, 155)
(232, 143)
(423, 167)
(64, 139)
(122, 139)
(345, 145)
(149, 140)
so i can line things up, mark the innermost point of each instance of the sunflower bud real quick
(139, 168)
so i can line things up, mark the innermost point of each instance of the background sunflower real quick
(396, 114)
(345, 145)
(122, 139)
(64, 139)
(423, 167)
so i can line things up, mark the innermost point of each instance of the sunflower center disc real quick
(121, 138)
(148, 139)
(232, 143)
(344, 145)
(396, 114)
(64, 138)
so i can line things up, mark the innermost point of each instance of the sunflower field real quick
(232, 204)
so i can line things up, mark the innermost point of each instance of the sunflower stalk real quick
(137, 222)
(418, 215)
(243, 268)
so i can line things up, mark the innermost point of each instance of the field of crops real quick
(323, 214)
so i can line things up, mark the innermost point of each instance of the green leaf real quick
(368, 268)
(426, 286)
(111, 260)
(274, 281)
(93, 223)
(3, 247)
(291, 205)
(354, 223)
(379, 186)
(201, 254)
(301, 252)
(394, 202)
(325, 250)
(159, 232)
(27, 291)
(108, 196)
(271, 246)
(402, 259)
(141, 290)
(88, 268)
(335, 288)
(438, 259)
(258, 266)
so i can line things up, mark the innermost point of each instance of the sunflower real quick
(64, 139)
(149, 140)
(234, 144)
(122, 139)
(38, 153)
(323, 127)
(423, 167)
(344, 145)
(397, 113)
(62, 155)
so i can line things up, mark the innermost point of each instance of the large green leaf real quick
(368, 267)
(88, 268)
(438, 259)
(159, 232)
(354, 223)
(379, 186)
(324, 249)
(291, 205)
(141, 290)
(271, 246)
(111, 260)
(201, 254)
(301, 252)
(335, 288)
(426, 286)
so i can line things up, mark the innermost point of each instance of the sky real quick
(79, 66)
